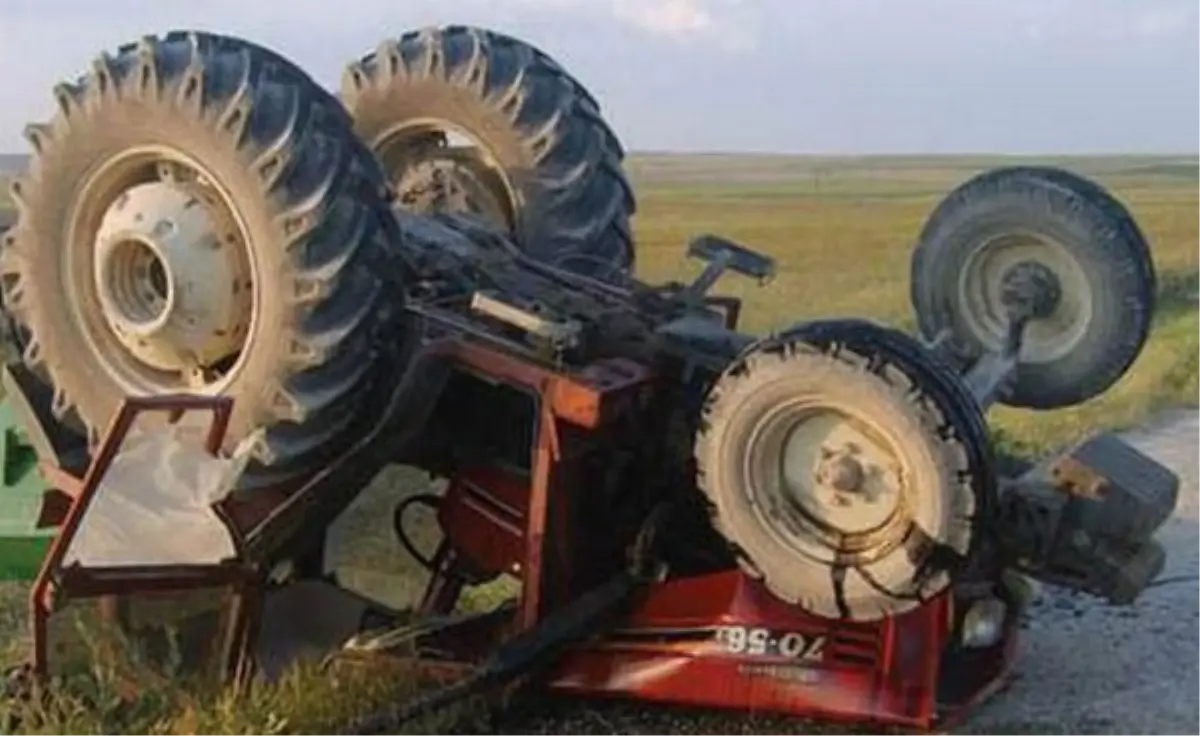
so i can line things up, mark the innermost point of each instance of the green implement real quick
(23, 544)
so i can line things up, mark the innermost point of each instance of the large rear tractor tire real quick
(1074, 237)
(534, 157)
(840, 472)
(199, 217)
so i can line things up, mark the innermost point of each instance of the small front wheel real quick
(1093, 266)
(836, 475)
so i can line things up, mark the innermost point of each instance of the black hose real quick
(586, 615)
(1173, 580)
(427, 499)
(520, 654)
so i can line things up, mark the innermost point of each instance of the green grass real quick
(842, 231)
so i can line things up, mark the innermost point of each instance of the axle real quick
(1028, 291)
(471, 279)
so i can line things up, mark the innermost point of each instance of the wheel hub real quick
(444, 184)
(842, 477)
(1023, 276)
(1030, 290)
(173, 283)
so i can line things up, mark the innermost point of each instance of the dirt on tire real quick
(570, 200)
(311, 201)
(908, 556)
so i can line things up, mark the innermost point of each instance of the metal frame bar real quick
(103, 582)
(559, 397)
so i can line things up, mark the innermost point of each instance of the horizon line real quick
(873, 154)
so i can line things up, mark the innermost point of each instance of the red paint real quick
(484, 513)
(540, 528)
(106, 583)
(884, 671)
(501, 522)
(666, 650)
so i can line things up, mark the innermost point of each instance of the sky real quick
(794, 76)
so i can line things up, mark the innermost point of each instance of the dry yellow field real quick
(842, 231)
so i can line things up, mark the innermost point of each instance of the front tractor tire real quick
(836, 476)
(198, 217)
(539, 161)
(1093, 264)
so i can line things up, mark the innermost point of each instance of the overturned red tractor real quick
(811, 521)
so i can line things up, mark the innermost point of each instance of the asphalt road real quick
(1090, 668)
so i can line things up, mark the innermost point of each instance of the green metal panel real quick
(22, 544)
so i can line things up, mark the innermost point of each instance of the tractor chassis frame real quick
(717, 639)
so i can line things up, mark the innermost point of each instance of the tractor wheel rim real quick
(837, 479)
(980, 296)
(430, 177)
(162, 280)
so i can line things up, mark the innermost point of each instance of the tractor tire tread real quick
(1106, 240)
(575, 200)
(801, 580)
(318, 184)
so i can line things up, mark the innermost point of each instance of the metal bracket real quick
(564, 334)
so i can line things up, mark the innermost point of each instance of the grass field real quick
(842, 231)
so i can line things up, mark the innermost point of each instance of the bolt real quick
(846, 474)
(840, 471)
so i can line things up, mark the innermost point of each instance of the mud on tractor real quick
(811, 521)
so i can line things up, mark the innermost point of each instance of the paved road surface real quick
(1091, 668)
